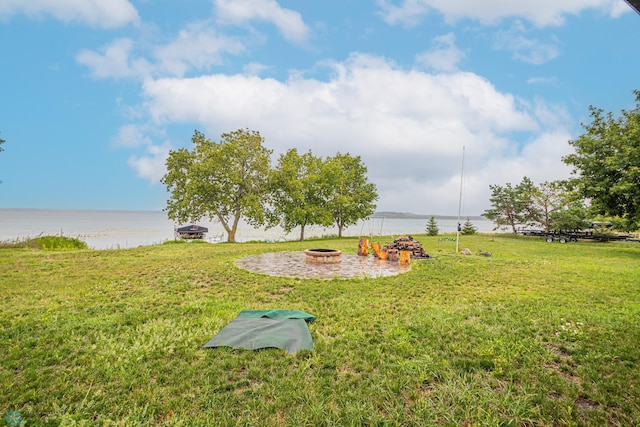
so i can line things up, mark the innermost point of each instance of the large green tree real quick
(513, 206)
(351, 196)
(299, 192)
(224, 180)
(606, 163)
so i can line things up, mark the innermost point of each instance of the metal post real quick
(460, 200)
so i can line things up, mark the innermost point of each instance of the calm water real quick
(127, 229)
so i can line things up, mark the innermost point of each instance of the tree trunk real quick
(302, 233)
(234, 228)
(231, 231)
(340, 226)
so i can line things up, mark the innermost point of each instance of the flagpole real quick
(460, 200)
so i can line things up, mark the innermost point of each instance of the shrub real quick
(432, 227)
(47, 243)
(468, 228)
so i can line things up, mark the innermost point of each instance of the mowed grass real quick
(538, 334)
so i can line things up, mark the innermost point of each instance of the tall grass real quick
(537, 334)
(46, 243)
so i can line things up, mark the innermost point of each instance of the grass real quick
(538, 334)
(46, 243)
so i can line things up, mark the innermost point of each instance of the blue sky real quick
(94, 94)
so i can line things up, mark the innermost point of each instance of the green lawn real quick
(538, 334)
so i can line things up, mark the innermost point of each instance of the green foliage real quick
(351, 195)
(538, 334)
(623, 224)
(573, 217)
(432, 227)
(548, 198)
(226, 180)
(299, 191)
(560, 206)
(551, 206)
(233, 179)
(513, 206)
(468, 228)
(607, 163)
(47, 243)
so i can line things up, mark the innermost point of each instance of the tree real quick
(548, 198)
(299, 192)
(571, 217)
(432, 227)
(226, 181)
(606, 163)
(351, 196)
(468, 228)
(513, 206)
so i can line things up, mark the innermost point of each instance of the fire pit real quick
(323, 256)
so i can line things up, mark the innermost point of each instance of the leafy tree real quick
(572, 217)
(226, 181)
(468, 228)
(351, 196)
(432, 227)
(548, 198)
(299, 192)
(606, 163)
(513, 206)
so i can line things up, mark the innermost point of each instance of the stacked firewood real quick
(408, 243)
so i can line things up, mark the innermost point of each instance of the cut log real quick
(363, 247)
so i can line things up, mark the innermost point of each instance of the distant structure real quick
(635, 4)
(190, 232)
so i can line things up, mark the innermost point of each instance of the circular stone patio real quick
(293, 264)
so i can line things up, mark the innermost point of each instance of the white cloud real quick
(151, 165)
(133, 135)
(408, 126)
(409, 13)
(528, 50)
(288, 22)
(541, 80)
(196, 47)
(96, 13)
(254, 68)
(541, 12)
(114, 61)
(444, 56)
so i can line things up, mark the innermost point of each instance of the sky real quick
(438, 97)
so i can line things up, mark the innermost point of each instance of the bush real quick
(47, 243)
(432, 227)
(468, 228)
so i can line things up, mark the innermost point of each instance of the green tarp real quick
(255, 329)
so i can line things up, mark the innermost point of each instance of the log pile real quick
(408, 243)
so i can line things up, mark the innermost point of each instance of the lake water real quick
(128, 229)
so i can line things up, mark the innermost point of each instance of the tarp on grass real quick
(255, 329)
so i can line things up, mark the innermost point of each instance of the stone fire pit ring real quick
(323, 256)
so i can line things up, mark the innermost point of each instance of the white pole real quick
(460, 201)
